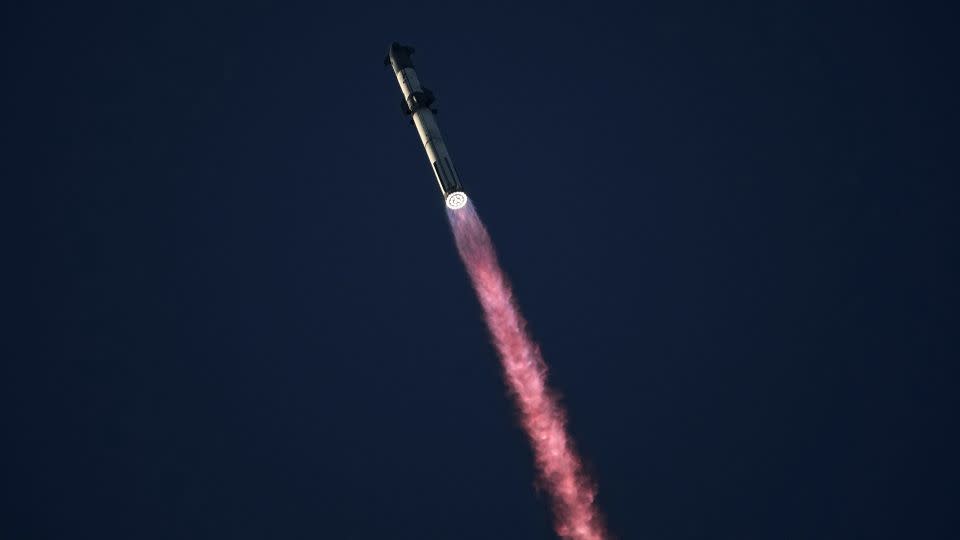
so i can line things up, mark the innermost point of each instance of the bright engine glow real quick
(456, 200)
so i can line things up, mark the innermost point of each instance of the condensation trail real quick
(560, 468)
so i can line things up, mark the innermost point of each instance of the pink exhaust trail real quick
(561, 471)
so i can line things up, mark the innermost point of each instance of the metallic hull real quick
(417, 102)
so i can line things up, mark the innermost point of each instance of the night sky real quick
(235, 311)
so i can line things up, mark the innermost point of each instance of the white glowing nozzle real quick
(456, 200)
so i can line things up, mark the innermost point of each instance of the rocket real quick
(418, 104)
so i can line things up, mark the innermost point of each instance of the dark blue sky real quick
(237, 311)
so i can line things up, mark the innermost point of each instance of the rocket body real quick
(417, 102)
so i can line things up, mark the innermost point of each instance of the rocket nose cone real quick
(399, 56)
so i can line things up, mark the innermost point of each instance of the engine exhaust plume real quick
(560, 469)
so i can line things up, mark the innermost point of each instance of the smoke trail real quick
(543, 418)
